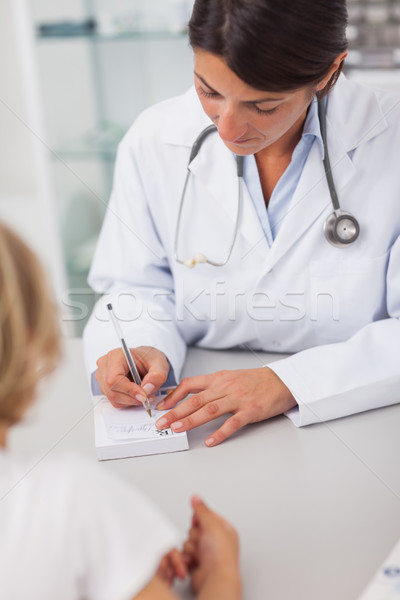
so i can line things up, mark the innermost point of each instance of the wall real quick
(26, 200)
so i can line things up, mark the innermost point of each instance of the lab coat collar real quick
(186, 122)
(312, 126)
(352, 119)
(357, 117)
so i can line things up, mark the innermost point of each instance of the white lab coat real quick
(336, 309)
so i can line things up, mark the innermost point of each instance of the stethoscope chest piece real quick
(341, 228)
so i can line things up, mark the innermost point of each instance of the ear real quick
(334, 67)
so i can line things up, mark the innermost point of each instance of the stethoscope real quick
(341, 228)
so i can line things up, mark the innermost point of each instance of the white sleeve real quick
(362, 373)
(131, 269)
(120, 535)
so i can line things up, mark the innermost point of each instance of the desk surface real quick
(317, 508)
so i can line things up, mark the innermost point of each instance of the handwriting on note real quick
(132, 423)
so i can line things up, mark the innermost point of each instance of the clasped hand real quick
(210, 555)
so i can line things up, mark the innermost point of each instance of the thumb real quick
(207, 519)
(202, 515)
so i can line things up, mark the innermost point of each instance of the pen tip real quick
(146, 404)
(109, 306)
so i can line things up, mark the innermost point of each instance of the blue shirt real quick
(271, 219)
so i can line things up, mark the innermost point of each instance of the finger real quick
(178, 564)
(194, 535)
(190, 553)
(208, 518)
(113, 381)
(188, 385)
(112, 368)
(124, 393)
(154, 379)
(200, 509)
(157, 370)
(163, 569)
(190, 548)
(188, 415)
(230, 426)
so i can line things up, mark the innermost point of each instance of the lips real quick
(242, 141)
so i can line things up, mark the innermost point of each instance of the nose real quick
(230, 126)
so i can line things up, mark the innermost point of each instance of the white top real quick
(70, 530)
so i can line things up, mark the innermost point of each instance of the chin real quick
(242, 150)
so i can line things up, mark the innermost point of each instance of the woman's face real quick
(248, 120)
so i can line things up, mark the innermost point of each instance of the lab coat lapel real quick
(311, 197)
(215, 169)
(347, 128)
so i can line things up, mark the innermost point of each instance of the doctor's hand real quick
(251, 395)
(114, 379)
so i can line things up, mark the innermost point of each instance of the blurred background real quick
(74, 75)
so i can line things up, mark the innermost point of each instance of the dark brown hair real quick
(273, 45)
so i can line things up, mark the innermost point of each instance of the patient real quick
(70, 530)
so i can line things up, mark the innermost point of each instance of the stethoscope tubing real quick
(341, 228)
(200, 258)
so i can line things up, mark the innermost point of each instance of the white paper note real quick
(128, 432)
(133, 423)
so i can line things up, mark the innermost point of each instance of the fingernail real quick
(161, 423)
(160, 405)
(148, 388)
(209, 441)
(177, 425)
(140, 397)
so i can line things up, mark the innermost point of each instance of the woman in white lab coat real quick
(260, 68)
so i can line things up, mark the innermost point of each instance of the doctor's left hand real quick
(251, 395)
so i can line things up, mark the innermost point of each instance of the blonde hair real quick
(29, 333)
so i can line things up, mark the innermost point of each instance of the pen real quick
(131, 364)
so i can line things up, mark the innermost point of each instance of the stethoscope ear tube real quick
(199, 141)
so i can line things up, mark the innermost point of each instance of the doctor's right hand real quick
(114, 380)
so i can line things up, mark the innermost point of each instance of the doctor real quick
(301, 255)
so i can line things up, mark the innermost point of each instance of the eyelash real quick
(207, 94)
(259, 111)
(264, 112)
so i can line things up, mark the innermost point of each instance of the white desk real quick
(317, 509)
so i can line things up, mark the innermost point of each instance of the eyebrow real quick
(259, 101)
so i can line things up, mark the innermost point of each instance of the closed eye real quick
(206, 93)
(253, 106)
(260, 111)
